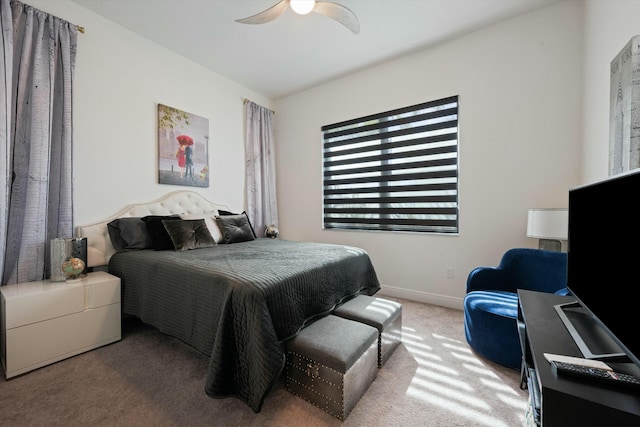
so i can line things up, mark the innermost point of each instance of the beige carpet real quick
(150, 379)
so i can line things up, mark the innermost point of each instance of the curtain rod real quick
(245, 100)
(78, 27)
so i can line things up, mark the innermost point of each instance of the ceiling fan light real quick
(302, 7)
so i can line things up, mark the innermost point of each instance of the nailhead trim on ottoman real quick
(331, 363)
(382, 314)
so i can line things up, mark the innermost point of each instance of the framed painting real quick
(183, 148)
(624, 109)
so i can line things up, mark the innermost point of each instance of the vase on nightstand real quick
(78, 249)
(60, 250)
(73, 268)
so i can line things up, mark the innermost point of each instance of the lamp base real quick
(550, 245)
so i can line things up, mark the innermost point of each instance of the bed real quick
(238, 302)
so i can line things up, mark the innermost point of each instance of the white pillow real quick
(210, 221)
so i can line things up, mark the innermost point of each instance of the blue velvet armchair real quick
(491, 302)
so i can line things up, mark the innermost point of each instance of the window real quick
(393, 171)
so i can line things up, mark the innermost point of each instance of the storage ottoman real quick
(331, 363)
(382, 314)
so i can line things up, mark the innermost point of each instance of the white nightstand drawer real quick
(43, 322)
(24, 306)
(40, 344)
(39, 301)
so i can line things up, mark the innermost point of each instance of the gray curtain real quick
(6, 44)
(260, 169)
(39, 52)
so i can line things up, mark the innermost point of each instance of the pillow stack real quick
(179, 232)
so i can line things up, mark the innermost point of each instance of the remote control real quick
(589, 363)
(602, 375)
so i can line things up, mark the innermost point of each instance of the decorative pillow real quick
(209, 220)
(227, 213)
(235, 228)
(189, 234)
(159, 236)
(129, 234)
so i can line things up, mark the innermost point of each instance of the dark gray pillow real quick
(129, 234)
(227, 213)
(159, 236)
(235, 228)
(187, 234)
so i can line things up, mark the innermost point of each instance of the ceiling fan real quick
(332, 10)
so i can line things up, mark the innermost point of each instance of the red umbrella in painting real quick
(185, 140)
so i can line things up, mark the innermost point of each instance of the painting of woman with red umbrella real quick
(183, 140)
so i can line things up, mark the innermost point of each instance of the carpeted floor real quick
(150, 379)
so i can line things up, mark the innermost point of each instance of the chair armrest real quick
(489, 278)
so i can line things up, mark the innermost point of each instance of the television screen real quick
(603, 263)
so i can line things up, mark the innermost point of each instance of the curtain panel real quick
(260, 169)
(6, 44)
(38, 60)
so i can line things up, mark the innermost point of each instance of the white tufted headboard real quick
(99, 247)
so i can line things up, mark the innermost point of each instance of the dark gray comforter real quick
(237, 303)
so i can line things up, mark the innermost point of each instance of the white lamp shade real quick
(548, 224)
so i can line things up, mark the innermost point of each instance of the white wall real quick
(519, 84)
(608, 27)
(520, 88)
(119, 80)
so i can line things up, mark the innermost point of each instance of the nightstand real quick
(44, 322)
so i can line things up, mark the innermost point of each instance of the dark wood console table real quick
(566, 401)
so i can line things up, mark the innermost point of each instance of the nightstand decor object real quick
(271, 231)
(78, 248)
(73, 268)
(60, 250)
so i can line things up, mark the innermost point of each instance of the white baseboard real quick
(419, 296)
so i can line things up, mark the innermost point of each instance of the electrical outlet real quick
(450, 272)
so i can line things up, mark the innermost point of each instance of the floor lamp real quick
(550, 226)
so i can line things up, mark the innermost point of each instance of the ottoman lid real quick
(333, 341)
(373, 311)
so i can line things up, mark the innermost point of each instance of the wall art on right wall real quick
(624, 109)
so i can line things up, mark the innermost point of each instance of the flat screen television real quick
(603, 268)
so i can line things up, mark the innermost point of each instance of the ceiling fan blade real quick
(339, 13)
(266, 15)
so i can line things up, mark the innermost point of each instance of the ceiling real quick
(295, 52)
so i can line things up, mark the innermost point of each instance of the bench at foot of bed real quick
(331, 363)
(382, 314)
